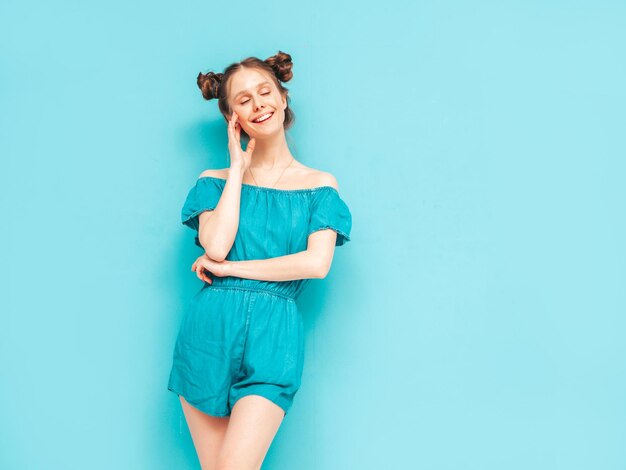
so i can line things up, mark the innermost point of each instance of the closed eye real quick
(244, 102)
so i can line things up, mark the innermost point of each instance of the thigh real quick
(253, 424)
(207, 433)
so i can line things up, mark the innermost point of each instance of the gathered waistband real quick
(252, 289)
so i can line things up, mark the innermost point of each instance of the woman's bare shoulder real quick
(313, 178)
(222, 173)
(324, 178)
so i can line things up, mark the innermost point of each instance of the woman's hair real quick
(278, 67)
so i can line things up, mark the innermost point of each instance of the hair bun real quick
(281, 65)
(209, 84)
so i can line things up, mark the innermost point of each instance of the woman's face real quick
(252, 95)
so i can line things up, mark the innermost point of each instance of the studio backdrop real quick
(474, 321)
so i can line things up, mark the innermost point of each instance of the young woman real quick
(267, 224)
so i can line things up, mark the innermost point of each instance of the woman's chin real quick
(263, 133)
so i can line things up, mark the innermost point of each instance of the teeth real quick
(263, 118)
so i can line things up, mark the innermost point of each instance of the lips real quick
(266, 119)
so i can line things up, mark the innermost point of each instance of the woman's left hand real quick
(204, 266)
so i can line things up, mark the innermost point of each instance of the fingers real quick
(205, 277)
(200, 274)
(234, 129)
(237, 127)
(251, 145)
(231, 132)
(231, 125)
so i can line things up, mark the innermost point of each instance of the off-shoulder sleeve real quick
(328, 210)
(203, 196)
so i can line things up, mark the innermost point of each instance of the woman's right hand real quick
(238, 158)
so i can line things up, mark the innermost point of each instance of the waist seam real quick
(254, 289)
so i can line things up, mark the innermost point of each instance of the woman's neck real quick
(270, 154)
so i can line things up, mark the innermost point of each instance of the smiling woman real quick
(239, 355)
(235, 95)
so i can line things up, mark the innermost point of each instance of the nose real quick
(257, 103)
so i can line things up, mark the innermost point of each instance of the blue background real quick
(475, 320)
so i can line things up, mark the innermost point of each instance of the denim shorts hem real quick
(204, 409)
(284, 404)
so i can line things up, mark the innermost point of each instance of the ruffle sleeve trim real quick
(329, 211)
(203, 196)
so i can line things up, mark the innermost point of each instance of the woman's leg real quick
(254, 421)
(207, 433)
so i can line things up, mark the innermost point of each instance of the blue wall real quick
(475, 320)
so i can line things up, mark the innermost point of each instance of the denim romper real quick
(242, 336)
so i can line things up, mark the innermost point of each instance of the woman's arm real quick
(218, 228)
(312, 263)
(302, 265)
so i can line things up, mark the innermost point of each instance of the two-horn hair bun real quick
(209, 84)
(280, 64)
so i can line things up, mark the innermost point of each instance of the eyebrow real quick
(244, 91)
